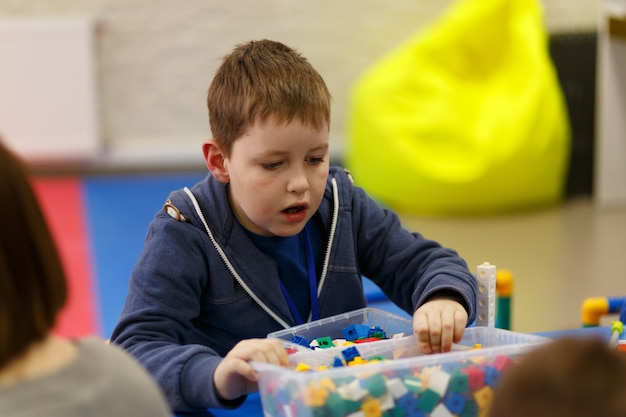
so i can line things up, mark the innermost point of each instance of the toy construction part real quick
(486, 306)
(617, 329)
(594, 308)
(173, 212)
(350, 356)
(354, 333)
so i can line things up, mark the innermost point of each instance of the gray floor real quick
(559, 257)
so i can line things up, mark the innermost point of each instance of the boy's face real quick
(277, 176)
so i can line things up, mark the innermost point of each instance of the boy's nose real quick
(298, 183)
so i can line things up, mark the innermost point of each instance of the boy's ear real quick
(214, 158)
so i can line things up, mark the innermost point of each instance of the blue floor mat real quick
(119, 209)
(250, 408)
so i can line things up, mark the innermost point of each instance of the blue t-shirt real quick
(289, 253)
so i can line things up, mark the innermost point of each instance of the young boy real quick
(272, 238)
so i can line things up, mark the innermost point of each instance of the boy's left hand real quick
(438, 323)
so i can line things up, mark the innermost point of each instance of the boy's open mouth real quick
(293, 210)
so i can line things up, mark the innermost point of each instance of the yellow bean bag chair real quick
(466, 118)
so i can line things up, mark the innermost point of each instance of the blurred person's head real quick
(569, 377)
(32, 282)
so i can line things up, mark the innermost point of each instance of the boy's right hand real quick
(234, 377)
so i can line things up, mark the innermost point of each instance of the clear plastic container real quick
(333, 327)
(460, 382)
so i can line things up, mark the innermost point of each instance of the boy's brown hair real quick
(32, 282)
(263, 79)
(569, 377)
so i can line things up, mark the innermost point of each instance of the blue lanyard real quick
(312, 284)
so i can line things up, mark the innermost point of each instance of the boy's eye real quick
(271, 165)
(316, 160)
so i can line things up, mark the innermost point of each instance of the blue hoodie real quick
(200, 285)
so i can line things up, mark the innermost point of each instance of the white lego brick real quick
(396, 387)
(441, 411)
(353, 391)
(486, 300)
(439, 381)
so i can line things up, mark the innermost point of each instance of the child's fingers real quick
(460, 321)
(438, 324)
(447, 330)
(274, 352)
(260, 350)
(244, 369)
(234, 376)
(428, 341)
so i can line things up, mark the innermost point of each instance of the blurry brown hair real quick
(263, 79)
(32, 283)
(569, 377)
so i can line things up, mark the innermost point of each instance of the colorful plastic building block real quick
(504, 295)
(455, 402)
(475, 377)
(371, 408)
(325, 342)
(300, 340)
(356, 331)
(483, 397)
(441, 411)
(350, 353)
(376, 332)
(593, 308)
(413, 383)
(502, 362)
(438, 382)
(459, 382)
(428, 400)
(375, 385)
(470, 409)
(314, 396)
(302, 367)
(617, 328)
(486, 307)
(492, 376)
(339, 406)
(357, 360)
(366, 340)
(337, 362)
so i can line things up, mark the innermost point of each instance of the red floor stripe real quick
(63, 205)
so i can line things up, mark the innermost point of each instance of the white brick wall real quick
(156, 58)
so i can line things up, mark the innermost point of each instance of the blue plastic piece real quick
(350, 353)
(356, 331)
(455, 402)
(615, 304)
(337, 362)
(301, 341)
(376, 331)
(408, 403)
(492, 376)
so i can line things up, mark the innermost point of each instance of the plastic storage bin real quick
(334, 326)
(455, 383)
